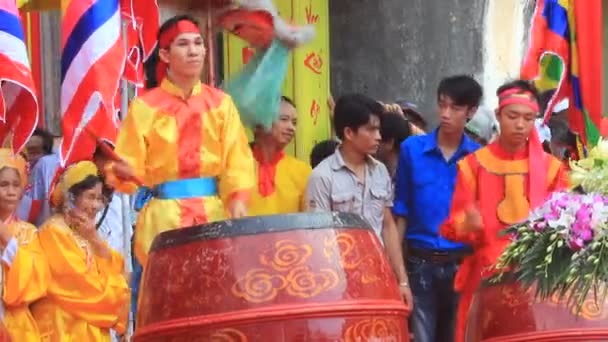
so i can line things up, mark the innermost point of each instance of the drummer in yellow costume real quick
(87, 294)
(281, 178)
(185, 141)
(24, 270)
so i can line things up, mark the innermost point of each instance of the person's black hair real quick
(464, 90)
(545, 98)
(47, 139)
(321, 151)
(394, 127)
(174, 20)
(107, 190)
(353, 111)
(288, 100)
(415, 118)
(523, 86)
(547, 147)
(86, 184)
(150, 69)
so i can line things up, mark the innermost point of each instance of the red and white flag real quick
(92, 64)
(18, 102)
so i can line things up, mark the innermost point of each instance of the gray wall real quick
(400, 49)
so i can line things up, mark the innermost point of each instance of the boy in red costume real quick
(517, 175)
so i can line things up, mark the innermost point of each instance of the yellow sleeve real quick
(131, 145)
(238, 174)
(27, 276)
(98, 296)
(115, 265)
(305, 172)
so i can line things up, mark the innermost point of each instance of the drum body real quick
(301, 277)
(506, 312)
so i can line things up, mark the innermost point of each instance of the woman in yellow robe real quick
(87, 294)
(281, 178)
(24, 271)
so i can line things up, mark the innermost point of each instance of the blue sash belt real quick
(177, 189)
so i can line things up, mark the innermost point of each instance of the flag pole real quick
(126, 199)
(211, 79)
(124, 107)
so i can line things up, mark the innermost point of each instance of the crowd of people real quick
(185, 156)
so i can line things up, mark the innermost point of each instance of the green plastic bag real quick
(257, 89)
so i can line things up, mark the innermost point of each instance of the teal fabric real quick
(256, 90)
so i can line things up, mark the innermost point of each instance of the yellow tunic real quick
(290, 180)
(166, 137)
(24, 281)
(87, 295)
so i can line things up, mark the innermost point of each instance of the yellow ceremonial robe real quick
(168, 137)
(24, 281)
(285, 193)
(87, 295)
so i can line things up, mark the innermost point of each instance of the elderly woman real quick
(24, 273)
(87, 294)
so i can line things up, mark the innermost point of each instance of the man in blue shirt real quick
(426, 173)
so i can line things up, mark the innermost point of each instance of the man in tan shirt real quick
(351, 180)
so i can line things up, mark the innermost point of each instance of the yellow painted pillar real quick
(307, 81)
(311, 77)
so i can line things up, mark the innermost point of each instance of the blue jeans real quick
(435, 301)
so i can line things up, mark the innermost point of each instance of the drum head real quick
(258, 225)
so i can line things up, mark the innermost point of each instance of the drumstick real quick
(108, 151)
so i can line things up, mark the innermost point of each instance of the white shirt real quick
(112, 228)
(41, 178)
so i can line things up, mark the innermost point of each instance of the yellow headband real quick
(16, 162)
(70, 177)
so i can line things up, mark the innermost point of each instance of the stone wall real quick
(400, 49)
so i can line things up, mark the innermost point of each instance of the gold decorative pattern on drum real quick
(285, 269)
(350, 257)
(374, 329)
(286, 255)
(591, 310)
(305, 284)
(259, 285)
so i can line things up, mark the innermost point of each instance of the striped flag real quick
(18, 102)
(586, 68)
(562, 55)
(92, 63)
(549, 50)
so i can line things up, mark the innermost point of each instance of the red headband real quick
(167, 37)
(517, 96)
(182, 26)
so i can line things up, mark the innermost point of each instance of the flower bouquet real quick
(562, 248)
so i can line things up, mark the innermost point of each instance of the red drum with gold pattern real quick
(300, 277)
(506, 312)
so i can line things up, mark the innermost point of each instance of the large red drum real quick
(300, 277)
(506, 312)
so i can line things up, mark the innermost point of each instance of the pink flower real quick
(576, 244)
(539, 226)
(583, 214)
(552, 215)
